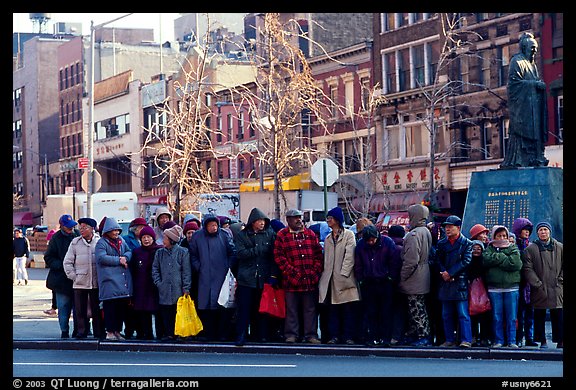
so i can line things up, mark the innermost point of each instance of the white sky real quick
(21, 22)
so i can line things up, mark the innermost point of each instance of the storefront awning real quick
(297, 182)
(394, 201)
(162, 199)
(22, 218)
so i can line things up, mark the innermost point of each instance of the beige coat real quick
(80, 263)
(338, 274)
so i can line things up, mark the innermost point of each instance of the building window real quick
(241, 125)
(487, 140)
(252, 131)
(112, 127)
(503, 53)
(393, 143)
(16, 129)
(17, 160)
(417, 140)
(17, 97)
(365, 85)
(352, 155)
(18, 188)
(333, 101)
(485, 61)
(418, 60)
(404, 69)
(390, 72)
(229, 128)
(219, 129)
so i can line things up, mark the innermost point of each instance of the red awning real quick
(22, 218)
(162, 199)
(395, 201)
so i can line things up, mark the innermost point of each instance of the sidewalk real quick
(32, 329)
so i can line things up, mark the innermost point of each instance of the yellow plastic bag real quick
(187, 321)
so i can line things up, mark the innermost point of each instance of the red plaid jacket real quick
(299, 256)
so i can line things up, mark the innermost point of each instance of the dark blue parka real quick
(454, 258)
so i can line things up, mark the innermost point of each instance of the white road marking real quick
(155, 364)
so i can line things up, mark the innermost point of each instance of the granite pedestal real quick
(497, 197)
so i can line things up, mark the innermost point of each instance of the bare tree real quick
(285, 91)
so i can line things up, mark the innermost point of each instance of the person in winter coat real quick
(481, 323)
(256, 266)
(298, 253)
(212, 253)
(522, 228)
(57, 281)
(80, 267)
(377, 269)
(453, 256)
(415, 275)
(171, 273)
(131, 238)
(114, 278)
(544, 270)
(145, 293)
(502, 265)
(21, 252)
(338, 288)
(397, 233)
(163, 215)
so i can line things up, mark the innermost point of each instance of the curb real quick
(276, 348)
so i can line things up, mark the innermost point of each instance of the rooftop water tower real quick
(40, 20)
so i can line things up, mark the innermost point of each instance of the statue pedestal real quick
(499, 196)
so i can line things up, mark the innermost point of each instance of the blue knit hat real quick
(337, 214)
(277, 225)
(544, 224)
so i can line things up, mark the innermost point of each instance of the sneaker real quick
(350, 342)
(333, 340)
(497, 345)
(111, 337)
(465, 344)
(313, 340)
(512, 345)
(50, 312)
(290, 339)
(448, 344)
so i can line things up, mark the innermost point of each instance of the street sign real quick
(97, 181)
(83, 163)
(317, 172)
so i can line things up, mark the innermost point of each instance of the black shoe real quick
(333, 340)
(531, 343)
(422, 342)
(65, 335)
(80, 336)
(240, 341)
(26, 282)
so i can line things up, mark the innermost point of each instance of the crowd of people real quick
(402, 287)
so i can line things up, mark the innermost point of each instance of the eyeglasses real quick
(84, 227)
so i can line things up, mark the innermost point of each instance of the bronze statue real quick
(527, 108)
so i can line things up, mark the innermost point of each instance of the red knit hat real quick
(138, 221)
(191, 225)
(477, 229)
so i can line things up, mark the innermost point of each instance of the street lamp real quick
(90, 186)
(16, 148)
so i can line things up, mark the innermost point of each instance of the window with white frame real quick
(487, 140)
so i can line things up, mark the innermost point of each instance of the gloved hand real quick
(273, 281)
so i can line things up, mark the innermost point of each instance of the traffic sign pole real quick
(325, 188)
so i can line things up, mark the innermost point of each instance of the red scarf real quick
(115, 244)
